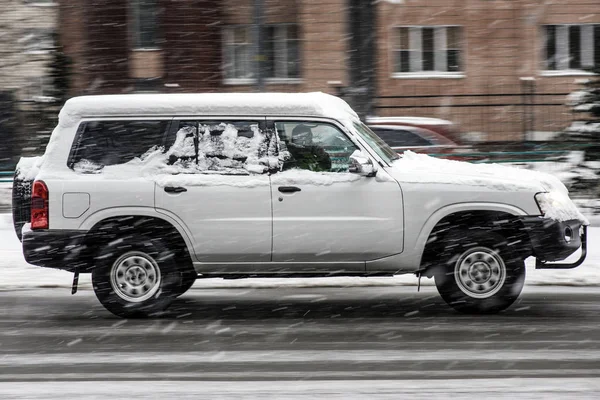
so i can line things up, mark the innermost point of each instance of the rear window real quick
(103, 143)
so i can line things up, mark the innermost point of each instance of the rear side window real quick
(103, 143)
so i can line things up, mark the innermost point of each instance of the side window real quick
(226, 147)
(103, 143)
(314, 146)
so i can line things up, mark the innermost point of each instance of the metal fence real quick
(523, 116)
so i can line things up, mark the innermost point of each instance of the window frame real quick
(439, 32)
(280, 46)
(175, 126)
(136, 33)
(272, 121)
(563, 67)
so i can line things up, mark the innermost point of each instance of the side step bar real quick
(539, 264)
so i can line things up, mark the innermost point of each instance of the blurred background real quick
(510, 81)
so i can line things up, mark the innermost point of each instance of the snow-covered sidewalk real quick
(15, 273)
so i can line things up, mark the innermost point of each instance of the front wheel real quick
(482, 274)
(136, 277)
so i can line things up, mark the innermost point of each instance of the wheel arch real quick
(115, 227)
(500, 218)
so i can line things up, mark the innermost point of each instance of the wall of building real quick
(502, 48)
(323, 30)
(501, 55)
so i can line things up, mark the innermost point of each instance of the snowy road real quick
(378, 342)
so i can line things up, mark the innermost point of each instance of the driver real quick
(305, 154)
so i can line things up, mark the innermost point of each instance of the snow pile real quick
(230, 104)
(421, 168)
(584, 126)
(28, 167)
(303, 177)
(558, 206)
(409, 120)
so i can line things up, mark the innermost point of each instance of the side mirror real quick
(361, 164)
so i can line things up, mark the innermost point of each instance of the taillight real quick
(39, 205)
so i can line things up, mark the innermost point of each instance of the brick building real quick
(480, 63)
(499, 55)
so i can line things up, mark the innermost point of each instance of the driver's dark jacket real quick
(312, 158)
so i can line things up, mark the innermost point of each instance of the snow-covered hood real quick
(423, 169)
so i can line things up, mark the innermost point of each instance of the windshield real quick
(381, 148)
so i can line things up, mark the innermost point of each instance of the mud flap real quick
(75, 281)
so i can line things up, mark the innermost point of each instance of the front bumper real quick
(59, 249)
(553, 240)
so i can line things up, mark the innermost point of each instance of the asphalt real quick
(379, 336)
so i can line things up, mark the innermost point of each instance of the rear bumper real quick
(59, 249)
(553, 240)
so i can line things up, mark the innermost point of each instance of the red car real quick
(420, 140)
(437, 125)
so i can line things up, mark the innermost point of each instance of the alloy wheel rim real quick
(135, 277)
(480, 272)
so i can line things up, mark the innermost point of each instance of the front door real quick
(324, 215)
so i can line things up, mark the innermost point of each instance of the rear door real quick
(218, 188)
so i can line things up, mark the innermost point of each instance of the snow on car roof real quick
(233, 104)
(409, 120)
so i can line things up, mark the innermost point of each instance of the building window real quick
(572, 47)
(238, 52)
(281, 51)
(145, 32)
(427, 49)
(37, 41)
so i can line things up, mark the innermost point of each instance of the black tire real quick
(480, 273)
(136, 277)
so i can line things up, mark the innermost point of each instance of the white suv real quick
(151, 192)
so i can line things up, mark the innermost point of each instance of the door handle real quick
(288, 189)
(177, 189)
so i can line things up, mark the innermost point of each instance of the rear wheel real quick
(136, 277)
(482, 274)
